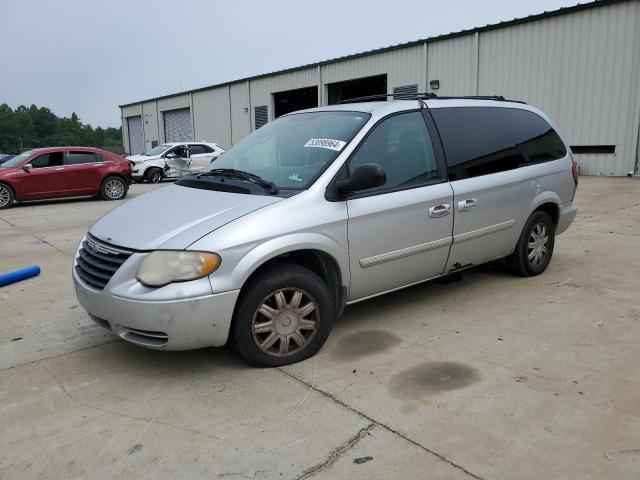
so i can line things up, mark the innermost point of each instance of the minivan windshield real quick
(15, 161)
(159, 150)
(292, 151)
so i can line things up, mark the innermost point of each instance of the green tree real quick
(40, 127)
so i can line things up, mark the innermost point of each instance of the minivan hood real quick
(173, 217)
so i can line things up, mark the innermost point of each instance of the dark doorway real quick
(293, 100)
(360, 87)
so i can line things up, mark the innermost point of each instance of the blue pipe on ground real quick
(17, 275)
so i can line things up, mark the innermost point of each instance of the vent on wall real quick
(592, 149)
(261, 115)
(406, 91)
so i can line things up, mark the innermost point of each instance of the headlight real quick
(164, 266)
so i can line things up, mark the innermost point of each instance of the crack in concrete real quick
(11, 307)
(35, 236)
(337, 452)
(251, 475)
(60, 355)
(380, 424)
(125, 415)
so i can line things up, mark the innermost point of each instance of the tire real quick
(6, 196)
(535, 246)
(113, 188)
(279, 320)
(153, 175)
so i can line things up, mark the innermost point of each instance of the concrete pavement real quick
(490, 377)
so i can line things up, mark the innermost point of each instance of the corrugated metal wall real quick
(453, 62)
(581, 68)
(171, 103)
(240, 111)
(262, 89)
(129, 111)
(150, 124)
(212, 117)
(402, 67)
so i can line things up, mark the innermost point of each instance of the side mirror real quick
(27, 167)
(171, 155)
(368, 175)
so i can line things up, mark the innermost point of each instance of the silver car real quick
(321, 209)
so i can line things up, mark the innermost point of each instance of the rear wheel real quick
(6, 196)
(153, 175)
(284, 316)
(535, 246)
(113, 188)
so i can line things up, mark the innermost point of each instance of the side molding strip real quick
(405, 252)
(463, 237)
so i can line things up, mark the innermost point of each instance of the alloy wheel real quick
(286, 322)
(114, 189)
(5, 196)
(537, 245)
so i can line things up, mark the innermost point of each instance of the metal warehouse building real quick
(580, 64)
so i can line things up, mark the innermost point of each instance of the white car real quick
(173, 160)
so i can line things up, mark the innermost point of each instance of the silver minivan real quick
(323, 208)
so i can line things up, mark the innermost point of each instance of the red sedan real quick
(63, 172)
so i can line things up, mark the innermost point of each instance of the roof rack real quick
(426, 96)
(383, 96)
(497, 98)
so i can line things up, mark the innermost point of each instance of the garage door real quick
(177, 125)
(136, 142)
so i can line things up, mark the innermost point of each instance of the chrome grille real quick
(97, 261)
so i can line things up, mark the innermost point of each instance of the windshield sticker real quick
(329, 143)
(295, 177)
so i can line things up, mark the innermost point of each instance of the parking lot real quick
(488, 377)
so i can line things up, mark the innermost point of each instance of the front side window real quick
(294, 149)
(485, 140)
(402, 146)
(180, 152)
(75, 158)
(53, 159)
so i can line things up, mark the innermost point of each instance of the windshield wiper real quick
(268, 186)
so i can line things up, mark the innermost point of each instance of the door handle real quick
(441, 210)
(58, 168)
(467, 205)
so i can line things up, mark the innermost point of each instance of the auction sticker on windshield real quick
(329, 143)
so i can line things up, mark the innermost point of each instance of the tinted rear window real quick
(196, 149)
(75, 158)
(484, 140)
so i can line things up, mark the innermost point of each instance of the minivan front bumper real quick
(166, 324)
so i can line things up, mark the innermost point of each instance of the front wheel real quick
(113, 188)
(535, 247)
(284, 316)
(154, 175)
(6, 196)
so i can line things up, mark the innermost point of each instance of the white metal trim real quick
(498, 227)
(404, 252)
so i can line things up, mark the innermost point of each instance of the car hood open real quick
(174, 217)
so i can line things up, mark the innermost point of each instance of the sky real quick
(89, 56)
